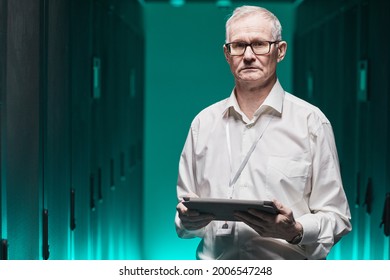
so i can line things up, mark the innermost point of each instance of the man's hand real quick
(282, 225)
(193, 220)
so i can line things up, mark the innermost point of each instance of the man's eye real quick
(239, 45)
(258, 44)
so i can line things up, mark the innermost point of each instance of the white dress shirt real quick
(295, 161)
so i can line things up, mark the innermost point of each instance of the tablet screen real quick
(223, 209)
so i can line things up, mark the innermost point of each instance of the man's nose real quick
(249, 54)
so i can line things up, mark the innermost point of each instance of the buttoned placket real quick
(251, 136)
(248, 137)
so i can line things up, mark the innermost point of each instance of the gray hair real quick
(249, 10)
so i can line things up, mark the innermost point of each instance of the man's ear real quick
(226, 53)
(282, 48)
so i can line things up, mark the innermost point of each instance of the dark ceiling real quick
(213, 1)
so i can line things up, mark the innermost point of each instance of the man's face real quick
(249, 68)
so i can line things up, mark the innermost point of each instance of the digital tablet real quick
(223, 209)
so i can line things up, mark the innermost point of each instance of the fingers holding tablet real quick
(192, 219)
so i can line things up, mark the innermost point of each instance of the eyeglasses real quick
(259, 47)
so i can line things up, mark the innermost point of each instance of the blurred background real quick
(96, 100)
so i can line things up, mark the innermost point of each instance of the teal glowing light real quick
(177, 3)
(355, 248)
(386, 248)
(224, 3)
(367, 234)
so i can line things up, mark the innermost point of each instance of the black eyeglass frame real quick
(227, 45)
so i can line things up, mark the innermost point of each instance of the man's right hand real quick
(192, 220)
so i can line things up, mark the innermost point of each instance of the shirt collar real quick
(274, 101)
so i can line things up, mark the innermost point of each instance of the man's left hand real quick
(282, 225)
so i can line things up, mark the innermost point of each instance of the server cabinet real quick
(80, 71)
(3, 211)
(56, 127)
(23, 160)
(348, 77)
(71, 107)
(378, 137)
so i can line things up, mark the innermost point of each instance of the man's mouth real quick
(249, 68)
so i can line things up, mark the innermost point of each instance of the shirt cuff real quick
(311, 229)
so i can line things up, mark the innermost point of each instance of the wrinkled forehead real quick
(253, 25)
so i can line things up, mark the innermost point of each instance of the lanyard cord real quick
(246, 159)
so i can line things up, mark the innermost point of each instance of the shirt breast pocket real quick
(287, 179)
